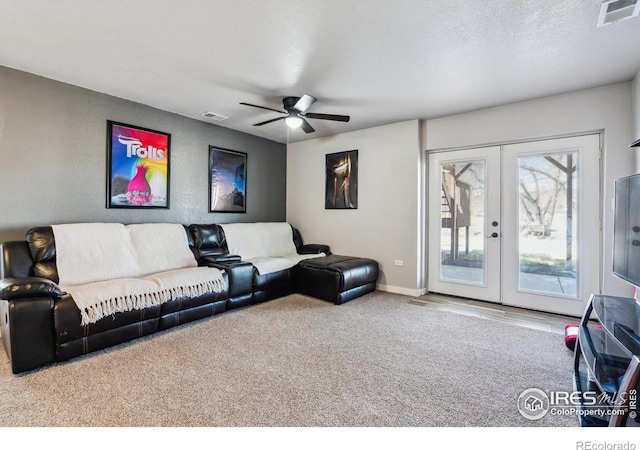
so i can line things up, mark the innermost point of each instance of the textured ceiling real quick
(379, 61)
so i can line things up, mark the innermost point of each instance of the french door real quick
(464, 203)
(517, 224)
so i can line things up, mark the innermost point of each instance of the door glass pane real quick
(548, 238)
(463, 200)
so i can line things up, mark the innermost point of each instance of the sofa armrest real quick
(28, 287)
(26, 320)
(314, 249)
(219, 259)
(241, 275)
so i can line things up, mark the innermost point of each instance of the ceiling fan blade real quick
(268, 121)
(328, 117)
(306, 127)
(263, 107)
(304, 103)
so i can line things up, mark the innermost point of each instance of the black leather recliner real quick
(210, 247)
(41, 324)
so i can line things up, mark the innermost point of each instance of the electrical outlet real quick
(399, 263)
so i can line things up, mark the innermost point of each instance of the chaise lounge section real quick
(336, 278)
(310, 269)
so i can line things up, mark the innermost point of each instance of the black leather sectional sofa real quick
(41, 324)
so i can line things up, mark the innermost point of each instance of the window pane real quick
(463, 200)
(548, 232)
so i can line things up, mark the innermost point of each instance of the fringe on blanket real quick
(114, 305)
(111, 306)
(196, 290)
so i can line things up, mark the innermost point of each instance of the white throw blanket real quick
(267, 245)
(103, 298)
(259, 239)
(191, 282)
(86, 253)
(90, 252)
(109, 268)
(159, 247)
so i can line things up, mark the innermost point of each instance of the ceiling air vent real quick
(615, 10)
(214, 116)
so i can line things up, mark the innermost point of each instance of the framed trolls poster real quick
(341, 188)
(227, 180)
(138, 167)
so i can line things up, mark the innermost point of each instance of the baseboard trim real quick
(401, 290)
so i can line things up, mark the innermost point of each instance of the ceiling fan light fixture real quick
(293, 121)
(295, 113)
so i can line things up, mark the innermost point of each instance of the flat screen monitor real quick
(626, 238)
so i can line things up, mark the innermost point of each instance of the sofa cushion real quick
(68, 321)
(268, 280)
(87, 253)
(103, 298)
(260, 239)
(110, 267)
(269, 246)
(160, 247)
(92, 252)
(276, 264)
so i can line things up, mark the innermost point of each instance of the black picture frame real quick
(341, 187)
(227, 180)
(138, 167)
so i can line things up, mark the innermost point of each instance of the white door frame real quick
(489, 288)
(509, 200)
(587, 225)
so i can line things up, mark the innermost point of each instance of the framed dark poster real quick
(341, 188)
(227, 180)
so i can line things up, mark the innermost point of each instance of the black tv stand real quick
(607, 362)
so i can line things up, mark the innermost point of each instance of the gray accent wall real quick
(53, 159)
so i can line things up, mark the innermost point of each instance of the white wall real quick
(635, 89)
(385, 226)
(607, 108)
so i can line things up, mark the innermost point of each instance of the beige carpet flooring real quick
(297, 361)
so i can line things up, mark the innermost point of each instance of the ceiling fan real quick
(296, 113)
